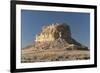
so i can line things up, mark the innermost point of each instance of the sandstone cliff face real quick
(55, 43)
(53, 32)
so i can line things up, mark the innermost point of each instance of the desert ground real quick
(53, 55)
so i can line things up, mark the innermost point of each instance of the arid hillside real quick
(54, 43)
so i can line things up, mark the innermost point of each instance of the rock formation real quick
(53, 32)
(53, 43)
(61, 32)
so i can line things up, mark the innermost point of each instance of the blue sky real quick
(32, 22)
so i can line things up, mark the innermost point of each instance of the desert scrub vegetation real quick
(57, 55)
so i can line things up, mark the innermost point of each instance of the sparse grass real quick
(54, 55)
